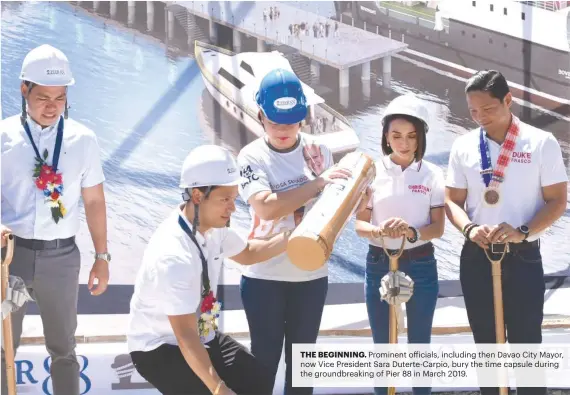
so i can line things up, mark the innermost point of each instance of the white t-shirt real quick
(408, 194)
(270, 170)
(536, 162)
(24, 209)
(169, 281)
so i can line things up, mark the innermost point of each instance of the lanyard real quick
(486, 168)
(494, 177)
(205, 278)
(57, 148)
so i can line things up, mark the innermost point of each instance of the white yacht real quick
(233, 79)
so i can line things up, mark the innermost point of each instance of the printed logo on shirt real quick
(291, 182)
(231, 170)
(522, 157)
(247, 172)
(419, 189)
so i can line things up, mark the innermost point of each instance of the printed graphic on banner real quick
(123, 366)
(433, 365)
(29, 376)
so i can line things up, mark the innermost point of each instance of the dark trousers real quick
(167, 370)
(420, 308)
(281, 310)
(523, 298)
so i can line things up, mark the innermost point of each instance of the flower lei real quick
(51, 183)
(209, 313)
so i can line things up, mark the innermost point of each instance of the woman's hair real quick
(259, 116)
(420, 134)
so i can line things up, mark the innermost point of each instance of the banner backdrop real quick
(106, 369)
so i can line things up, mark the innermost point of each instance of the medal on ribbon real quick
(46, 177)
(492, 178)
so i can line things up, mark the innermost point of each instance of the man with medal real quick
(506, 184)
(49, 163)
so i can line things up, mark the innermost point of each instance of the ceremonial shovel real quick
(7, 322)
(498, 302)
(393, 317)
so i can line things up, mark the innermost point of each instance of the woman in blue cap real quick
(281, 301)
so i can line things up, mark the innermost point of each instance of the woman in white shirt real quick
(285, 171)
(407, 199)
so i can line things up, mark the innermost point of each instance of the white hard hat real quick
(47, 66)
(210, 165)
(408, 104)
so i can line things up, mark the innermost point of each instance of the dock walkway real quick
(349, 47)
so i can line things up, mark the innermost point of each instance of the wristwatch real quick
(105, 256)
(416, 235)
(524, 230)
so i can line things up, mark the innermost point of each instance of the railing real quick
(547, 5)
(215, 48)
(307, 45)
(328, 108)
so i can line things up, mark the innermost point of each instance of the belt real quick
(512, 247)
(36, 245)
(411, 253)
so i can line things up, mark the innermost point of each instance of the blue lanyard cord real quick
(205, 278)
(57, 148)
(485, 161)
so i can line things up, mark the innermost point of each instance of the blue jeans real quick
(278, 311)
(419, 309)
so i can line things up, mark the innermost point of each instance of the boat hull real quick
(530, 65)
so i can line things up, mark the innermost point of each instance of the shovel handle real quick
(8, 339)
(9, 249)
(393, 257)
(392, 318)
(498, 303)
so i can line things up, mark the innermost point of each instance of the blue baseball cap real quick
(281, 97)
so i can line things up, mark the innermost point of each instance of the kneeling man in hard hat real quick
(173, 335)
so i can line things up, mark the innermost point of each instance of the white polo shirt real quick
(24, 209)
(536, 162)
(409, 194)
(270, 170)
(169, 281)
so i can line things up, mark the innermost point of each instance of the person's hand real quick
(334, 174)
(5, 231)
(99, 272)
(225, 390)
(364, 201)
(505, 233)
(480, 236)
(394, 228)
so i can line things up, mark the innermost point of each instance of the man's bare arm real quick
(260, 250)
(186, 331)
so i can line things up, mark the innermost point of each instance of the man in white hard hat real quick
(173, 335)
(49, 163)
